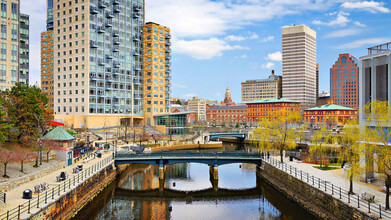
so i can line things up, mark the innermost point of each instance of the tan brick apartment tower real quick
(14, 61)
(157, 71)
(47, 57)
(299, 65)
(97, 61)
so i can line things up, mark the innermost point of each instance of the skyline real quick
(216, 43)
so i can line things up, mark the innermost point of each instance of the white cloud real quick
(218, 94)
(203, 49)
(244, 56)
(277, 56)
(344, 33)
(371, 6)
(241, 38)
(363, 42)
(268, 65)
(357, 23)
(267, 39)
(206, 18)
(189, 95)
(177, 85)
(340, 20)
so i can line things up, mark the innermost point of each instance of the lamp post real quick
(312, 123)
(327, 122)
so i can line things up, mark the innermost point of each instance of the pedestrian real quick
(268, 155)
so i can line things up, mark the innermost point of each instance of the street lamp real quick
(312, 122)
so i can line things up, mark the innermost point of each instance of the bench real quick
(368, 197)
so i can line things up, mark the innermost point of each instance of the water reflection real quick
(188, 194)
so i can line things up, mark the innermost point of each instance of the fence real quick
(3, 197)
(335, 191)
(42, 198)
(86, 156)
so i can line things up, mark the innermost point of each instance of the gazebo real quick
(62, 140)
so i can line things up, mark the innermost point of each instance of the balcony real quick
(116, 43)
(116, 9)
(136, 53)
(115, 34)
(115, 2)
(168, 50)
(109, 15)
(137, 68)
(116, 65)
(136, 8)
(93, 44)
(168, 43)
(136, 39)
(101, 63)
(94, 10)
(108, 24)
(168, 36)
(115, 49)
(101, 30)
(109, 57)
(102, 4)
(136, 16)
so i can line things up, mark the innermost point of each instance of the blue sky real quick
(220, 42)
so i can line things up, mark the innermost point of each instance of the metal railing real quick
(42, 199)
(166, 154)
(3, 197)
(328, 187)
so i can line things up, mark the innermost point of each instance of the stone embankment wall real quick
(69, 204)
(315, 201)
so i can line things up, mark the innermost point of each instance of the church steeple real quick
(227, 99)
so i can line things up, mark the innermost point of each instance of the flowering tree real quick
(50, 146)
(7, 156)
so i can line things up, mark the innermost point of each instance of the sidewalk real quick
(339, 181)
(14, 196)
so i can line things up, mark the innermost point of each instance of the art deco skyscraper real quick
(299, 64)
(97, 62)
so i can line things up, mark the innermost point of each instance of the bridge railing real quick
(3, 197)
(186, 154)
(328, 187)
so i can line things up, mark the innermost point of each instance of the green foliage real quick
(71, 132)
(178, 102)
(277, 132)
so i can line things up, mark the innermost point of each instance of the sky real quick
(216, 43)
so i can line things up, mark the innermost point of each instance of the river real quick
(188, 194)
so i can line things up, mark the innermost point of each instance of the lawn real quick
(328, 168)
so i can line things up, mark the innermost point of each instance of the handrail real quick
(328, 187)
(164, 154)
(3, 197)
(42, 198)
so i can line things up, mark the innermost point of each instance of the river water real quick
(189, 194)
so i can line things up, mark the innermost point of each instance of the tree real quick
(23, 154)
(377, 138)
(178, 102)
(49, 146)
(277, 131)
(323, 143)
(7, 156)
(351, 150)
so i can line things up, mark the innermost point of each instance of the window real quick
(3, 30)
(14, 9)
(3, 52)
(3, 9)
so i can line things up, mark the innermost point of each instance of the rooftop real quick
(330, 107)
(58, 134)
(231, 107)
(279, 100)
(379, 48)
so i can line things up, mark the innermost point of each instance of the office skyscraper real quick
(97, 61)
(299, 64)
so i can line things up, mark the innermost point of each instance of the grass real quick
(71, 133)
(326, 168)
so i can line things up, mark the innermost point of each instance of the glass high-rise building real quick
(97, 61)
(14, 37)
(299, 65)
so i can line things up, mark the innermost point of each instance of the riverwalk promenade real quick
(331, 182)
(15, 199)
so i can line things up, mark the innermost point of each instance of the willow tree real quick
(278, 131)
(323, 143)
(377, 139)
(351, 150)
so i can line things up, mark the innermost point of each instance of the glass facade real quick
(175, 123)
(115, 85)
(24, 49)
